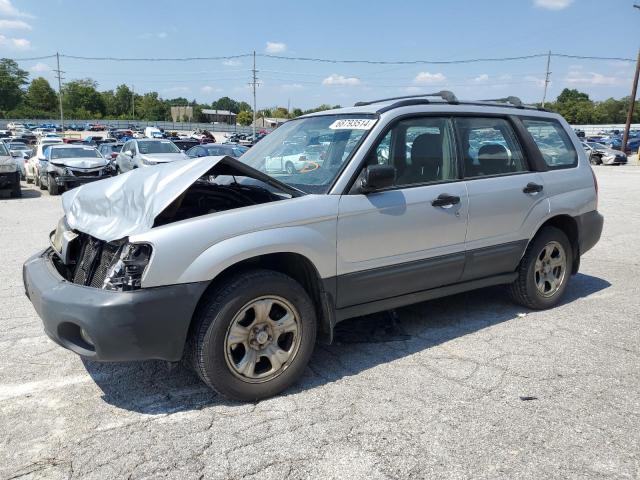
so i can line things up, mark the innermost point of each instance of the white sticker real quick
(353, 124)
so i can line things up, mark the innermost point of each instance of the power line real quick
(330, 60)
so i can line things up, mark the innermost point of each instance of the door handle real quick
(532, 188)
(445, 200)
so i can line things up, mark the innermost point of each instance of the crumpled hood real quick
(87, 162)
(163, 157)
(128, 204)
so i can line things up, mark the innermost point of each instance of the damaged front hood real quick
(88, 162)
(128, 204)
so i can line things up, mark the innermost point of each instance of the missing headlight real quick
(126, 273)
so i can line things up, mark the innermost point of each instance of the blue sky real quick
(372, 30)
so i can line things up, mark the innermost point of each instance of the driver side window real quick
(421, 149)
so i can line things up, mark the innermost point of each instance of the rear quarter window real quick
(555, 145)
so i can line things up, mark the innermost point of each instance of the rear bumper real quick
(589, 230)
(144, 324)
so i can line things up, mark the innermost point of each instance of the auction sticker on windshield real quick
(353, 124)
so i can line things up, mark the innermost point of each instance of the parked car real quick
(138, 153)
(69, 166)
(21, 152)
(599, 154)
(36, 166)
(9, 172)
(110, 150)
(237, 271)
(216, 149)
(184, 144)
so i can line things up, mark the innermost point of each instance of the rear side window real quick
(554, 143)
(489, 147)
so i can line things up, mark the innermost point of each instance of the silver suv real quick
(239, 268)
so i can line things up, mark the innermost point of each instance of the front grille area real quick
(96, 256)
(80, 173)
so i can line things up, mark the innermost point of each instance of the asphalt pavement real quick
(469, 386)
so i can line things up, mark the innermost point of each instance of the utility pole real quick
(254, 83)
(59, 74)
(632, 100)
(546, 79)
(133, 102)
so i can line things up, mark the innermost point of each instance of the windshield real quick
(309, 153)
(79, 152)
(163, 146)
(17, 146)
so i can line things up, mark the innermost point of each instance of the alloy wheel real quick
(550, 269)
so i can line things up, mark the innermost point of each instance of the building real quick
(268, 122)
(219, 116)
(182, 113)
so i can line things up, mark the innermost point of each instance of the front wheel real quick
(290, 168)
(53, 187)
(41, 183)
(253, 335)
(544, 270)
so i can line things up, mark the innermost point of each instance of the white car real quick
(33, 166)
(16, 126)
(293, 159)
(145, 152)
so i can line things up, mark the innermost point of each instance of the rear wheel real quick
(29, 179)
(544, 270)
(41, 184)
(253, 335)
(290, 168)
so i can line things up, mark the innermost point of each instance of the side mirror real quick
(377, 177)
(15, 154)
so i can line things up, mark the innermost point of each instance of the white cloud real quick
(40, 67)
(426, 78)
(147, 36)
(481, 78)
(538, 81)
(15, 43)
(210, 89)
(335, 79)
(275, 47)
(292, 86)
(591, 78)
(14, 25)
(7, 9)
(552, 4)
(232, 63)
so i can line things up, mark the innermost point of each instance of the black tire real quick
(595, 160)
(206, 345)
(524, 290)
(29, 180)
(16, 191)
(290, 168)
(40, 184)
(52, 186)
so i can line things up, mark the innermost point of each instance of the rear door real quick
(410, 237)
(506, 198)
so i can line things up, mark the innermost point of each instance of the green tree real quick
(40, 96)
(226, 103)
(151, 107)
(12, 80)
(122, 100)
(244, 107)
(244, 118)
(82, 97)
(296, 113)
(280, 112)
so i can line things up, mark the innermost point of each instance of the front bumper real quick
(64, 180)
(143, 324)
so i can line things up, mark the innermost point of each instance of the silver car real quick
(239, 271)
(145, 152)
(68, 166)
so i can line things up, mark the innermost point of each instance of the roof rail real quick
(445, 95)
(515, 101)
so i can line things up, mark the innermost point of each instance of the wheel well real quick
(296, 266)
(569, 226)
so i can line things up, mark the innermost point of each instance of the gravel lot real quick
(438, 396)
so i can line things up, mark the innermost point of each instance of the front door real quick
(410, 237)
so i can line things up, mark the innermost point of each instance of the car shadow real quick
(26, 193)
(153, 387)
